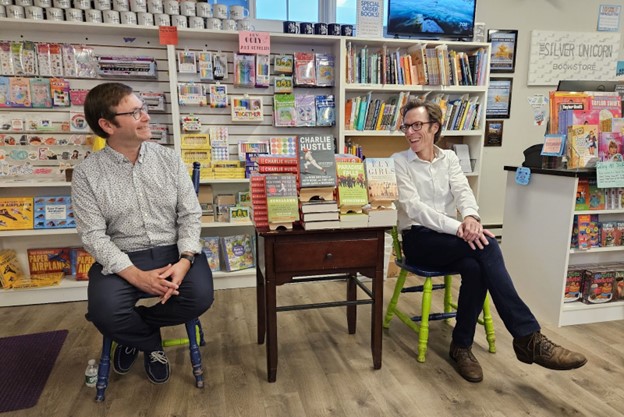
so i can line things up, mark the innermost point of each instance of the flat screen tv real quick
(427, 19)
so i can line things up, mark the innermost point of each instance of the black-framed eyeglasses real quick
(416, 126)
(136, 113)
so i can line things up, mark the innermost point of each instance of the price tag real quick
(168, 35)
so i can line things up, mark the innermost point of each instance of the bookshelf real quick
(538, 222)
(362, 75)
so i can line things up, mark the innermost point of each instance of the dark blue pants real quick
(111, 300)
(481, 271)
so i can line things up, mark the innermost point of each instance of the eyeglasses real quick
(136, 113)
(416, 126)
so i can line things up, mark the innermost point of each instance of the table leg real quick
(261, 305)
(271, 330)
(351, 309)
(376, 319)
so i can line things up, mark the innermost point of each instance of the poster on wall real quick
(499, 98)
(609, 18)
(556, 55)
(369, 19)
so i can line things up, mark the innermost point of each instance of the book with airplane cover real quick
(352, 192)
(84, 261)
(381, 181)
(49, 260)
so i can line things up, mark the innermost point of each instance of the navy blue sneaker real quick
(156, 366)
(123, 358)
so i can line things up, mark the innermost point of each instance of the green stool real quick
(420, 324)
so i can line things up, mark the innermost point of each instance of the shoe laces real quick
(543, 344)
(464, 353)
(129, 350)
(158, 356)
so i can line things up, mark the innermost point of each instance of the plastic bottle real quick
(91, 374)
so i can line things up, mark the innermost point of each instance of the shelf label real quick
(254, 42)
(168, 35)
(610, 174)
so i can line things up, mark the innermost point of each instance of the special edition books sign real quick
(369, 19)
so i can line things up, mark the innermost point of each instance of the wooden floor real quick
(324, 371)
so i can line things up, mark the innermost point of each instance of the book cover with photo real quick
(352, 192)
(381, 181)
(317, 163)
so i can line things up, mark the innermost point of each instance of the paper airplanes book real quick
(317, 163)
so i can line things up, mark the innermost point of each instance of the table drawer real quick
(325, 255)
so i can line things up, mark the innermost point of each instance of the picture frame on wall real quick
(503, 53)
(493, 133)
(499, 98)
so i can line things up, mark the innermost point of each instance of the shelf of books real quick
(565, 261)
(379, 76)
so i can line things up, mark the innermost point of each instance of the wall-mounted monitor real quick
(431, 19)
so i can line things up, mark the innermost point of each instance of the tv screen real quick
(448, 19)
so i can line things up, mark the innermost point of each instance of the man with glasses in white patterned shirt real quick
(432, 189)
(138, 215)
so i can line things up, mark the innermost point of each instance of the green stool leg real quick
(423, 333)
(395, 298)
(488, 324)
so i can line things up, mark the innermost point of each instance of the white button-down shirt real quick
(123, 207)
(431, 193)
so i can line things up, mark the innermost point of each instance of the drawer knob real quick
(329, 256)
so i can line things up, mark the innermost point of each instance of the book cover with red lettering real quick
(84, 260)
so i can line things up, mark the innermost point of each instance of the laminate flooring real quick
(324, 371)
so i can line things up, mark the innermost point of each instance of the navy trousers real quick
(481, 271)
(111, 300)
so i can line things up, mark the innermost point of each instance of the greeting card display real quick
(246, 108)
(187, 62)
(205, 66)
(244, 70)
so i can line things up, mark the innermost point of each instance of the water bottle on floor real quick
(91, 374)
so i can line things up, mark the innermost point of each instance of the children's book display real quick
(237, 252)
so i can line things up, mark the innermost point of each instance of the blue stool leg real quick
(191, 330)
(103, 369)
(202, 342)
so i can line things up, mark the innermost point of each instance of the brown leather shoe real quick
(466, 363)
(539, 349)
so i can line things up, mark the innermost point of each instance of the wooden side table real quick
(285, 255)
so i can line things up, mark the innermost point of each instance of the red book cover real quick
(278, 168)
(49, 260)
(276, 160)
(84, 260)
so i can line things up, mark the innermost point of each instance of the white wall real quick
(519, 132)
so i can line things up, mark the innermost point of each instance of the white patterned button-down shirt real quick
(122, 207)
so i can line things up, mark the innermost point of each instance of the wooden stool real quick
(194, 340)
(420, 324)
